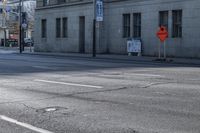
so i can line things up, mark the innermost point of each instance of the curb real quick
(152, 60)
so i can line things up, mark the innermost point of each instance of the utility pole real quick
(94, 30)
(20, 27)
(23, 18)
(4, 20)
(23, 25)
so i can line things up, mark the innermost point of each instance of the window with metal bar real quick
(58, 27)
(137, 25)
(45, 2)
(163, 19)
(177, 23)
(61, 1)
(65, 27)
(126, 25)
(44, 28)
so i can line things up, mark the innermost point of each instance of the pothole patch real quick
(50, 109)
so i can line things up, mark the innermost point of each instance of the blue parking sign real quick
(99, 10)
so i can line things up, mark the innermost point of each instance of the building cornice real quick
(91, 2)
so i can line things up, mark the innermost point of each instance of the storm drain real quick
(50, 109)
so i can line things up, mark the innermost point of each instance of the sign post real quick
(164, 49)
(98, 17)
(162, 34)
(159, 44)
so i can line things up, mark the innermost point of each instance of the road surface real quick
(52, 94)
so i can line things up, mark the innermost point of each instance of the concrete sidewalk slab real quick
(190, 61)
(122, 57)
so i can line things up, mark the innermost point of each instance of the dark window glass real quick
(61, 1)
(126, 25)
(58, 27)
(45, 2)
(16, 18)
(177, 23)
(43, 28)
(1, 10)
(65, 27)
(137, 25)
(163, 19)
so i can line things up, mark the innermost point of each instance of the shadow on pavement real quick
(15, 64)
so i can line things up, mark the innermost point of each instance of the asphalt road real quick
(49, 94)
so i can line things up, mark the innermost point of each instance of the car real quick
(28, 42)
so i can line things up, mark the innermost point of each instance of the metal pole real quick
(20, 28)
(164, 49)
(4, 20)
(94, 30)
(94, 39)
(4, 37)
(159, 50)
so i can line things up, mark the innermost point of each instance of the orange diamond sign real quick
(162, 33)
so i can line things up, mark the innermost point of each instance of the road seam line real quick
(71, 84)
(45, 67)
(28, 126)
(146, 75)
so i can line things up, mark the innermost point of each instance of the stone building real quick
(67, 26)
(8, 23)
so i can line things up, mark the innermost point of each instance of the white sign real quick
(24, 25)
(134, 46)
(99, 10)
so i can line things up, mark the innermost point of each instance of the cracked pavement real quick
(86, 95)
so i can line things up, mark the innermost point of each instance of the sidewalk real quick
(122, 57)
(106, 56)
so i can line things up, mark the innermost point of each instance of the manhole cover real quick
(50, 109)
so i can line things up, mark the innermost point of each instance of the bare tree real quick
(29, 8)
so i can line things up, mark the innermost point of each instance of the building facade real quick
(8, 23)
(67, 26)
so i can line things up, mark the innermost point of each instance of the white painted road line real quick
(28, 126)
(71, 84)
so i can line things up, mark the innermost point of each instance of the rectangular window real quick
(44, 28)
(58, 27)
(1, 10)
(45, 2)
(65, 27)
(137, 25)
(126, 25)
(177, 23)
(163, 19)
(16, 18)
(61, 1)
